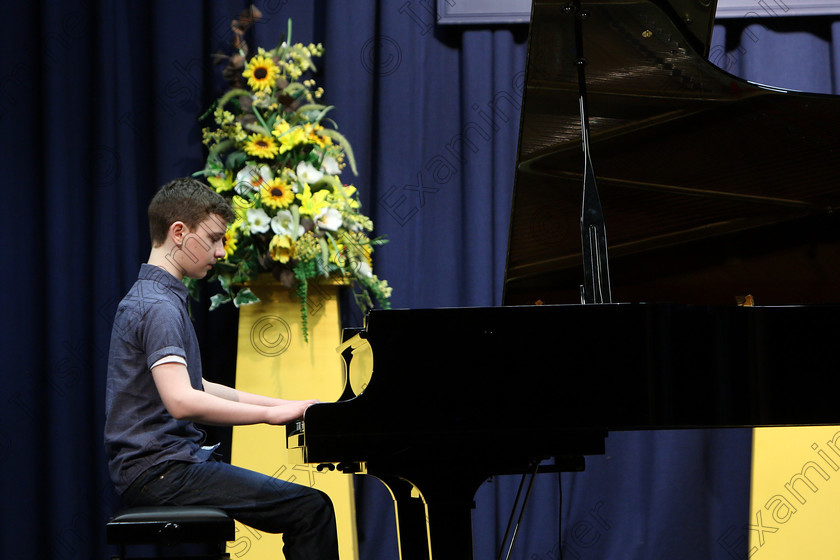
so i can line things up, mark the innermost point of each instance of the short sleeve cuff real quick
(166, 352)
(170, 359)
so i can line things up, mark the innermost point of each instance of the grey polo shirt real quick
(151, 322)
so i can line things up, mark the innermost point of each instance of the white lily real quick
(283, 224)
(307, 173)
(363, 269)
(330, 166)
(328, 219)
(258, 220)
(251, 179)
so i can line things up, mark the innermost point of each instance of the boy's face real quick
(201, 247)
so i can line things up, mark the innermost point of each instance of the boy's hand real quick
(287, 412)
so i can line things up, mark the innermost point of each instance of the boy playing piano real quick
(156, 393)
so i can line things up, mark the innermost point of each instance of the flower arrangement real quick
(276, 156)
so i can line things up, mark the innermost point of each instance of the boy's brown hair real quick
(186, 200)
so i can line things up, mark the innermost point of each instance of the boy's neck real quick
(161, 257)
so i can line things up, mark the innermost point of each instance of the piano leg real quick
(450, 525)
(410, 512)
(434, 523)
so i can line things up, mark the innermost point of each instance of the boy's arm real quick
(185, 403)
(231, 394)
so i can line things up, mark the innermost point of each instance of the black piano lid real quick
(712, 187)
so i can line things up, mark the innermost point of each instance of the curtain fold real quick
(796, 53)
(99, 106)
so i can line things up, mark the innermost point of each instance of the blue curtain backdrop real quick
(98, 107)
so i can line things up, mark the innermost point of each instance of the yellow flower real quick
(211, 136)
(280, 128)
(221, 182)
(307, 247)
(262, 73)
(223, 117)
(338, 254)
(240, 206)
(358, 246)
(352, 202)
(231, 237)
(261, 146)
(289, 137)
(277, 194)
(281, 249)
(384, 288)
(315, 136)
(312, 204)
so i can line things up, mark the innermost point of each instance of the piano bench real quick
(167, 527)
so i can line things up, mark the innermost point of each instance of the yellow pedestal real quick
(273, 359)
(795, 492)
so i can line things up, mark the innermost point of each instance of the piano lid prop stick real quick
(596, 270)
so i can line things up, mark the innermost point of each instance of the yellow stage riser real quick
(273, 359)
(795, 493)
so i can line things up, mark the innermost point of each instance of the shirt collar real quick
(164, 278)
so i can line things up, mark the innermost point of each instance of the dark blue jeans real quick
(304, 515)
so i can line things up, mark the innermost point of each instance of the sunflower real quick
(277, 194)
(261, 146)
(262, 73)
(231, 237)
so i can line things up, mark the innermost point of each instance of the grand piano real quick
(622, 264)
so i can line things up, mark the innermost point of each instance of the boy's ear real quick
(177, 231)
